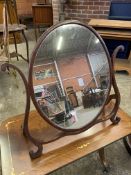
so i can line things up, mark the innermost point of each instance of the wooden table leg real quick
(103, 159)
(127, 143)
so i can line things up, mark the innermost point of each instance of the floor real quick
(12, 102)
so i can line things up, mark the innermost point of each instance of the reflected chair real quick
(72, 96)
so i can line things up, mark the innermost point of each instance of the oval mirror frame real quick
(28, 122)
(30, 78)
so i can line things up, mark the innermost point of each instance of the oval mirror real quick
(70, 76)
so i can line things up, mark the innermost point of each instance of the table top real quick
(13, 27)
(112, 29)
(110, 23)
(15, 147)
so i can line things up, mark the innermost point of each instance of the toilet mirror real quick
(70, 76)
(71, 82)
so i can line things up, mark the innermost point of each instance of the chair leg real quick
(35, 33)
(15, 46)
(27, 45)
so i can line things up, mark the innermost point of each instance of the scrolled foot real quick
(38, 153)
(115, 120)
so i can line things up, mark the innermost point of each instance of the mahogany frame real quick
(30, 93)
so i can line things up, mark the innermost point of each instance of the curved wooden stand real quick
(54, 133)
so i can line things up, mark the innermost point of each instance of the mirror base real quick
(36, 154)
(115, 120)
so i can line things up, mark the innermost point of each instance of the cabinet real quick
(42, 16)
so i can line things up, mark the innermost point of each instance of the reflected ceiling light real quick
(97, 41)
(59, 43)
(1, 106)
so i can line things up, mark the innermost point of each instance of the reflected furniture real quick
(72, 96)
(42, 16)
(87, 100)
(24, 9)
(117, 30)
(14, 154)
(93, 98)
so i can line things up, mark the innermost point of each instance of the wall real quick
(75, 9)
(83, 9)
(68, 72)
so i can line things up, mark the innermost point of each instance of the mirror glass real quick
(71, 76)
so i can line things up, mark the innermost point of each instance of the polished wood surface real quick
(117, 30)
(114, 34)
(42, 14)
(110, 23)
(15, 147)
(112, 29)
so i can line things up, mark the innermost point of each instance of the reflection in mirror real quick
(71, 76)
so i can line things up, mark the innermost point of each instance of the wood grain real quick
(110, 23)
(15, 147)
(42, 14)
(116, 30)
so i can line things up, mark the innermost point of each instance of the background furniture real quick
(119, 10)
(13, 18)
(64, 151)
(117, 30)
(24, 8)
(14, 28)
(11, 4)
(42, 16)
